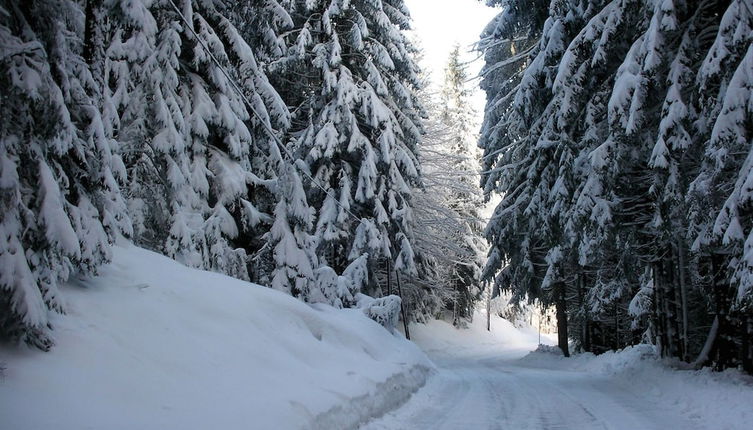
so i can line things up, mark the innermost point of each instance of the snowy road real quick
(479, 392)
(500, 395)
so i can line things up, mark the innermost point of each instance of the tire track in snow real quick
(483, 394)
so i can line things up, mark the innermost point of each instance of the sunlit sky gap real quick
(440, 24)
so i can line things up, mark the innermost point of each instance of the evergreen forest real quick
(298, 145)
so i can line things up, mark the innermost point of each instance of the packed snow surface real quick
(151, 344)
(489, 380)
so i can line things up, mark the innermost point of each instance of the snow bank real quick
(151, 344)
(712, 399)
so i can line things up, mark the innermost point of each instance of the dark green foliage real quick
(611, 142)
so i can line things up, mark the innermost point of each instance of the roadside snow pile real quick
(440, 339)
(548, 349)
(712, 399)
(151, 344)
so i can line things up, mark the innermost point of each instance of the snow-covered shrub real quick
(548, 349)
(384, 310)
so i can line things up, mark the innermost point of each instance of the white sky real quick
(440, 24)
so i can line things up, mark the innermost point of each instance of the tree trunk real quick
(561, 306)
(658, 311)
(585, 335)
(389, 277)
(703, 356)
(617, 342)
(683, 297)
(589, 335)
(747, 348)
(489, 308)
(721, 347)
(673, 306)
(402, 305)
(455, 303)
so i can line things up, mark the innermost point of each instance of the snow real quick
(441, 340)
(718, 400)
(489, 380)
(151, 344)
(58, 227)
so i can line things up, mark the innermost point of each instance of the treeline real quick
(275, 141)
(619, 134)
(448, 210)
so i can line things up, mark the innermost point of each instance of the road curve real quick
(468, 393)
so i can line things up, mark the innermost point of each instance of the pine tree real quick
(349, 76)
(457, 115)
(60, 172)
(718, 206)
(199, 156)
(295, 261)
(613, 151)
(526, 140)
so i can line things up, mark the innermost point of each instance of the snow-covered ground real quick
(443, 342)
(151, 344)
(490, 381)
(712, 400)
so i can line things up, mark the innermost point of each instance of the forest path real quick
(502, 393)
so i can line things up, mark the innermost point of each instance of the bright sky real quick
(440, 24)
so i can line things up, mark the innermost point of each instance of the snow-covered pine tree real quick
(657, 76)
(508, 43)
(60, 171)
(732, 134)
(350, 79)
(460, 145)
(530, 156)
(200, 160)
(659, 71)
(720, 210)
(633, 147)
(606, 192)
(437, 246)
(262, 25)
(294, 258)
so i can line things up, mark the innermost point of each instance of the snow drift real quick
(151, 344)
(713, 400)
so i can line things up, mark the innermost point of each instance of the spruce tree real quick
(60, 172)
(350, 79)
(460, 141)
(199, 156)
(613, 151)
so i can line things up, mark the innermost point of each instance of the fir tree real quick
(457, 115)
(199, 156)
(60, 172)
(613, 151)
(350, 77)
